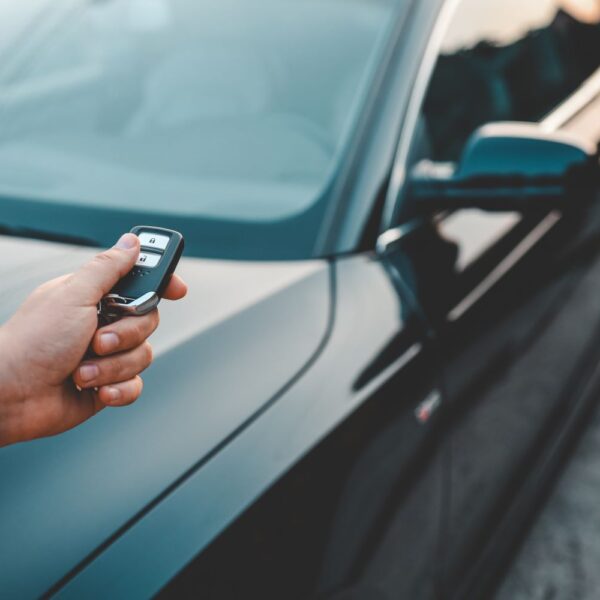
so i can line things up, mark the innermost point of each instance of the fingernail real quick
(88, 372)
(127, 241)
(113, 394)
(109, 341)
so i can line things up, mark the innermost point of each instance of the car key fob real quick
(140, 291)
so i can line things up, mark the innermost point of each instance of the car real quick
(391, 339)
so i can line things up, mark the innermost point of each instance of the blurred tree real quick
(521, 81)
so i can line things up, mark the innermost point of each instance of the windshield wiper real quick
(49, 236)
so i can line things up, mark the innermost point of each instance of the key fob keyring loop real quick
(114, 306)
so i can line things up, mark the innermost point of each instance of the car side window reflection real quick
(506, 60)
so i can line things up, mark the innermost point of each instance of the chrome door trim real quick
(574, 104)
(505, 265)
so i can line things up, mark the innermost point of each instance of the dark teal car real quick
(371, 385)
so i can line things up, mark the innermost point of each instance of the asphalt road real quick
(560, 559)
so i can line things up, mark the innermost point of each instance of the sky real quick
(497, 20)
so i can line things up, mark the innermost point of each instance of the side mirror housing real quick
(508, 167)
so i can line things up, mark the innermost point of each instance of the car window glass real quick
(231, 109)
(506, 60)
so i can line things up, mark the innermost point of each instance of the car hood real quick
(221, 357)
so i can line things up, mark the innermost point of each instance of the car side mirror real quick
(508, 167)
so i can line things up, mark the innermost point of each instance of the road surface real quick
(560, 559)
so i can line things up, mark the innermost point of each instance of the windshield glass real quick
(225, 118)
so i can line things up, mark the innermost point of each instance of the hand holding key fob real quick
(140, 291)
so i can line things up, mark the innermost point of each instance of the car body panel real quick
(369, 314)
(337, 457)
(245, 331)
(500, 292)
(524, 356)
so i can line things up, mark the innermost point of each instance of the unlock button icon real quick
(148, 259)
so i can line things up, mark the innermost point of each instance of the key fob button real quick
(148, 259)
(141, 289)
(153, 240)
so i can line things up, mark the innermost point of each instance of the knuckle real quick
(43, 288)
(115, 369)
(68, 279)
(131, 331)
(51, 287)
(134, 390)
(148, 354)
(39, 292)
(103, 258)
(103, 262)
(136, 330)
(146, 325)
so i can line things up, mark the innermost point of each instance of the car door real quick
(360, 515)
(512, 297)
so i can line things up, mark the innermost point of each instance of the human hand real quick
(43, 345)
(586, 11)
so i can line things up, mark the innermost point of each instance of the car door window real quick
(505, 60)
(500, 60)
(504, 290)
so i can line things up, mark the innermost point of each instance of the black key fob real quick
(140, 291)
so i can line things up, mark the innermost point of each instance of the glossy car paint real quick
(221, 356)
(416, 395)
(516, 327)
(368, 335)
(512, 303)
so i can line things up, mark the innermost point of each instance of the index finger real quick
(176, 289)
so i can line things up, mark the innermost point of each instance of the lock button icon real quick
(154, 241)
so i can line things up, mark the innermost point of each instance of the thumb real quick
(96, 278)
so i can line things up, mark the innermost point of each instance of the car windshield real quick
(226, 119)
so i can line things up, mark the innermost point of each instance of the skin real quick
(46, 386)
(587, 11)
